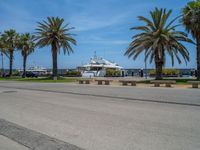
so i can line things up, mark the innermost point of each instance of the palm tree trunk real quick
(54, 58)
(158, 65)
(159, 70)
(198, 58)
(24, 66)
(11, 63)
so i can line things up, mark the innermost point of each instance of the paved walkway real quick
(30, 139)
(7, 144)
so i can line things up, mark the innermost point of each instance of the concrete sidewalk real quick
(29, 138)
(7, 144)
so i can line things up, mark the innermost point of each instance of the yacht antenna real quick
(95, 54)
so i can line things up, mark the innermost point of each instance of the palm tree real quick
(191, 21)
(10, 40)
(53, 33)
(27, 46)
(1, 45)
(158, 37)
(1, 53)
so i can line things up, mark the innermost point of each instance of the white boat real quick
(97, 67)
(36, 69)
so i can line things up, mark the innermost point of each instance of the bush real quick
(16, 73)
(112, 73)
(166, 72)
(72, 74)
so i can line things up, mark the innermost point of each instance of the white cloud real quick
(105, 42)
(17, 18)
(85, 22)
(90, 19)
(92, 39)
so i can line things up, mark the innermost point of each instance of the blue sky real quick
(100, 25)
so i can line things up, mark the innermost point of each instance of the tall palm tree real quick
(1, 44)
(27, 45)
(10, 39)
(2, 51)
(158, 37)
(191, 21)
(55, 34)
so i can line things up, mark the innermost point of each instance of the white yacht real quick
(36, 69)
(97, 67)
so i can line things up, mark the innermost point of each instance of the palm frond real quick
(159, 38)
(54, 31)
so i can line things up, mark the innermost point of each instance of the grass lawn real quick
(178, 81)
(45, 79)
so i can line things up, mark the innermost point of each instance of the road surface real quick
(100, 117)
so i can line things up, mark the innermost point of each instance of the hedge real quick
(165, 72)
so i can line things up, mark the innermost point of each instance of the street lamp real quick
(145, 61)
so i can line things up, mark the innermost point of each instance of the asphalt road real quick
(105, 118)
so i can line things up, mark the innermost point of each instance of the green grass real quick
(178, 81)
(45, 79)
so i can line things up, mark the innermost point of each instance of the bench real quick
(195, 84)
(84, 81)
(167, 83)
(126, 82)
(106, 81)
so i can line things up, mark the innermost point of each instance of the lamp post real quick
(145, 64)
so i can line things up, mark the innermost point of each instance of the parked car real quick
(6, 75)
(31, 75)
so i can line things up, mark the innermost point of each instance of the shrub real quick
(112, 73)
(16, 73)
(165, 72)
(73, 74)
